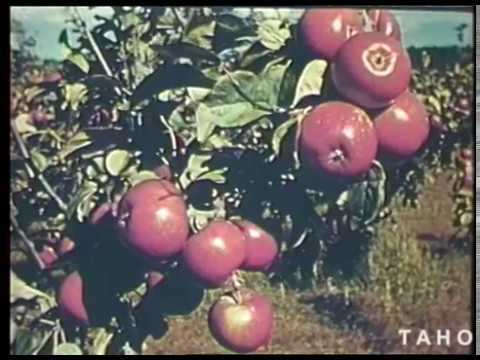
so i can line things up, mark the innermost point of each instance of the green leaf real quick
(68, 349)
(33, 92)
(75, 95)
(85, 194)
(280, 133)
(197, 170)
(63, 39)
(242, 97)
(217, 176)
(39, 160)
(205, 125)
(170, 76)
(435, 104)
(80, 61)
(311, 80)
(201, 34)
(142, 176)
(75, 143)
(236, 114)
(273, 34)
(364, 200)
(23, 122)
(116, 161)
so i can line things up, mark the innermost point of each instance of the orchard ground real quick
(433, 293)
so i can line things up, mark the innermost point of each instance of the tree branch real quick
(31, 169)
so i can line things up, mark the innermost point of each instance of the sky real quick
(419, 28)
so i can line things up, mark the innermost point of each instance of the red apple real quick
(261, 247)
(101, 213)
(242, 323)
(65, 246)
(323, 31)
(70, 299)
(338, 139)
(154, 278)
(384, 22)
(153, 221)
(215, 252)
(468, 175)
(371, 69)
(48, 256)
(404, 127)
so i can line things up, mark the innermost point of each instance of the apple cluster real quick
(152, 222)
(373, 111)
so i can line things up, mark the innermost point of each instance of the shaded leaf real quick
(76, 142)
(170, 77)
(280, 133)
(39, 160)
(80, 61)
(185, 50)
(85, 193)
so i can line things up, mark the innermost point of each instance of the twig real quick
(28, 243)
(97, 50)
(44, 342)
(171, 133)
(31, 167)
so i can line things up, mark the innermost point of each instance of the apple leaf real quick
(116, 161)
(68, 349)
(23, 122)
(39, 160)
(80, 61)
(78, 141)
(364, 200)
(169, 76)
(273, 34)
(310, 81)
(280, 133)
(74, 94)
(205, 125)
(142, 176)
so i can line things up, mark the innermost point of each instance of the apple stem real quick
(237, 281)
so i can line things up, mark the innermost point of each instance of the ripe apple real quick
(243, 322)
(152, 219)
(323, 31)
(261, 247)
(371, 69)
(404, 127)
(154, 278)
(384, 22)
(468, 175)
(215, 252)
(339, 139)
(101, 213)
(70, 299)
(48, 256)
(65, 246)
